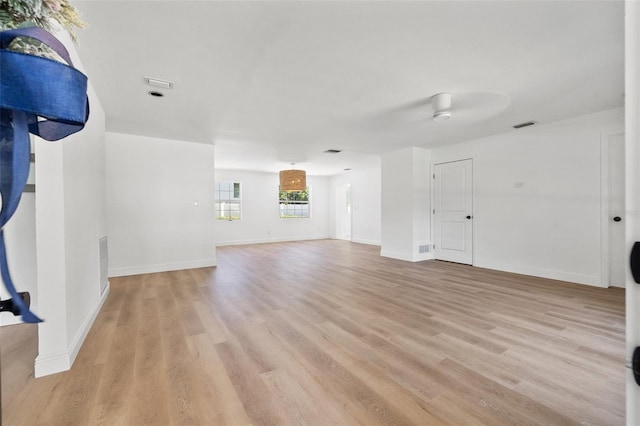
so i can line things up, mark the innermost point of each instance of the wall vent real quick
(423, 248)
(104, 263)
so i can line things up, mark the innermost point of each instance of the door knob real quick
(617, 219)
(468, 217)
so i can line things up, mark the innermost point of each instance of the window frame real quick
(306, 202)
(231, 200)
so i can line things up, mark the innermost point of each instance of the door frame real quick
(432, 201)
(604, 203)
(341, 190)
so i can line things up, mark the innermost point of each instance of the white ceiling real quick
(271, 83)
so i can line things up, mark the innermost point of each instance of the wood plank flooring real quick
(329, 333)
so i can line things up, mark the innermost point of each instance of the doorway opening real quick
(343, 212)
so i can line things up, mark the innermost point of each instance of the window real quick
(294, 204)
(227, 203)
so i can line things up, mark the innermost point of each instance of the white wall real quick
(632, 169)
(20, 241)
(85, 216)
(365, 203)
(421, 203)
(260, 221)
(405, 182)
(537, 203)
(396, 230)
(160, 204)
(70, 219)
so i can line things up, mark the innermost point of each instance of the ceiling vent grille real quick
(156, 82)
(527, 124)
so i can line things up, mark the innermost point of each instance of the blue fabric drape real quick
(38, 96)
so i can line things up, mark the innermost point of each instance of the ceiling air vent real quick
(526, 124)
(156, 82)
(332, 151)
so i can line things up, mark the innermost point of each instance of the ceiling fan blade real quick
(478, 106)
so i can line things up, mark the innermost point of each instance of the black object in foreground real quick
(9, 306)
(635, 365)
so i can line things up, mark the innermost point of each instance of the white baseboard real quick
(269, 240)
(78, 340)
(409, 257)
(52, 364)
(62, 361)
(365, 241)
(164, 267)
(544, 273)
(422, 256)
(8, 319)
(396, 255)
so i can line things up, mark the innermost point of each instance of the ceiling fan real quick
(458, 108)
(469, 106)
(441, 103)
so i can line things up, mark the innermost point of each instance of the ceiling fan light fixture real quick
(441, 103)
(441, 116)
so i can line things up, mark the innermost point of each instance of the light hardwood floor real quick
(330, 333)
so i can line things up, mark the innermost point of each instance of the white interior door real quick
(616, 209)
(343, 212)
(453, 211)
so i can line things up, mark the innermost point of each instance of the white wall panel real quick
(365, 203)
(160, 204)
(537, 197)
